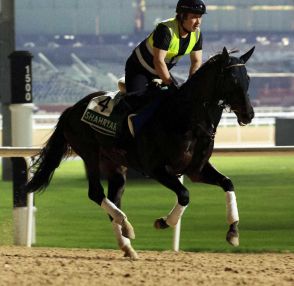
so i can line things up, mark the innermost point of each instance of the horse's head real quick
(234, 85)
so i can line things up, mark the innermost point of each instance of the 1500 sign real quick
(28, 83)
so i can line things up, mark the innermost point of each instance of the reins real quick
(209, 134)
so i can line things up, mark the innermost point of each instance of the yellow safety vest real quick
(173, 49)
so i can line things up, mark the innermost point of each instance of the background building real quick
(100, 17)
(81, 45)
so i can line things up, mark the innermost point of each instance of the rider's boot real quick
(138, 120)
(135, 123)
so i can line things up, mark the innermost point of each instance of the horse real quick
(177, 140)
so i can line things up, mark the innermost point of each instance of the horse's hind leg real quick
(96, 194)
(116, 176)
(210, 175)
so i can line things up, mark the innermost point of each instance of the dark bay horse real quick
(177, 140)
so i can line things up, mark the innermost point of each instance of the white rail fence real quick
(28, 152)
(228, 125)
(228, 119)
(261, 118)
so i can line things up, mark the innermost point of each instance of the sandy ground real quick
(43, 266)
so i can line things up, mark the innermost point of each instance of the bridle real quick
(220, 84)
(234, 65)
(221, 103)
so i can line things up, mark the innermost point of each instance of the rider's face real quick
(192, 22)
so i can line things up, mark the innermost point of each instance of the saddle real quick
(122, 85)
(107, 113)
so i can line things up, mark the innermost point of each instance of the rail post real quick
(177, 229)
(21, 108)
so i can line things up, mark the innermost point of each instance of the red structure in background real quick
(274, 90)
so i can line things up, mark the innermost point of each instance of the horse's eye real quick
(248, 77)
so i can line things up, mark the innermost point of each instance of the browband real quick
(235, 65)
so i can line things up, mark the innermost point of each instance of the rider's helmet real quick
(191, 6)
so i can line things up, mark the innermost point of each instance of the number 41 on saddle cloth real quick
(105, 114)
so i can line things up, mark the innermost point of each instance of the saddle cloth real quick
(104, 115)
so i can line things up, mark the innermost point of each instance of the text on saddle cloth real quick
(104, 115)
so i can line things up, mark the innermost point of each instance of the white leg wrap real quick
(232, 209)
(121, 240)
(175, 214)
(117, 215)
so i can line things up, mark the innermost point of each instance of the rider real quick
(161, 50)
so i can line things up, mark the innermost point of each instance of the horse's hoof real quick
(127, 229)
(130, 252)
(233, 234)
(160, 223)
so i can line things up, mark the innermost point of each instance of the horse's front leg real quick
(210, 175)
(116, 184)
(172, 182)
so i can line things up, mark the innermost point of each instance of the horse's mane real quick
(212, 60)
(182, 98)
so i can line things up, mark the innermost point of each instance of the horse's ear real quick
(225, 56)
(247, 55)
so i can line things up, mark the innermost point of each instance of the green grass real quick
(264, 188)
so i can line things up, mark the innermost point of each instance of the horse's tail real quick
(49, 158)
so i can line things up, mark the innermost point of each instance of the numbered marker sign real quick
(21, 77)
(28, 83)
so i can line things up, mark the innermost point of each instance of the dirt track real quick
(40, 266)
